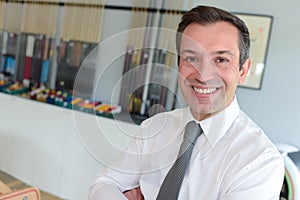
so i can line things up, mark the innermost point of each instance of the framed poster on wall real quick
(260, 30)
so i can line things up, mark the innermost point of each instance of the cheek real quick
(231, 73)
(182, 74)
(185, 72)
(182, 71)
(230, 77)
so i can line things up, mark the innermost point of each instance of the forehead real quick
(220, 36)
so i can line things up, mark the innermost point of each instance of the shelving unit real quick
(53, 53)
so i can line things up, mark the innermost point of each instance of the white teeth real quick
(205, 91)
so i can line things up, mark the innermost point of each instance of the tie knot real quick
(192, 132)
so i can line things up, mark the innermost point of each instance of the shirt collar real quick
(216, 126)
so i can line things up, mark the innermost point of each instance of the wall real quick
(276, 107)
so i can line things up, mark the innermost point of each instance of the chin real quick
(207, 109)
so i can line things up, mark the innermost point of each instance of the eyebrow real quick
(188, 51)
(223, 52)
(219, 52)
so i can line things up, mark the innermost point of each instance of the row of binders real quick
(26, 56)
(29, 57)
(71, 55)
(160, 87)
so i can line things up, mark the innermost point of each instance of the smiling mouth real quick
(204, 90)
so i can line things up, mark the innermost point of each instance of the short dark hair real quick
(205, 15)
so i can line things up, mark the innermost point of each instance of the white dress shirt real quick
(233, 159)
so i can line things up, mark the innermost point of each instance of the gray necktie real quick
(170, 187)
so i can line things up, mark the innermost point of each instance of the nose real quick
(205, 69)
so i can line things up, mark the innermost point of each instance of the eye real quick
(221, 60)
(191, 59)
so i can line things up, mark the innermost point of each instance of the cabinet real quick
(44, 146)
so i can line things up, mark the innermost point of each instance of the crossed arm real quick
(134, 194)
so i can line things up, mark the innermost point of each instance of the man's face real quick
(209, 67)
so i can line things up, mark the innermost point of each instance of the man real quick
(232, 158)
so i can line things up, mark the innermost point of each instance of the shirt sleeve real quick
(122, 175)
(105, 191)
(260, 180)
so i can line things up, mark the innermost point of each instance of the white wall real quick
(276, 107)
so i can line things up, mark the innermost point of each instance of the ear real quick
(244, 71)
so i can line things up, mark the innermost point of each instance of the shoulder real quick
(250, 142)
(249, 130)
(169, 117)
(249, 150)
(164, 125)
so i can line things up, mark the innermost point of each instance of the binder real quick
(10, 62)
(28, 56)
(76, 54)
(45, 71)
(35, 72)
(3, 51)
(45, 60)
